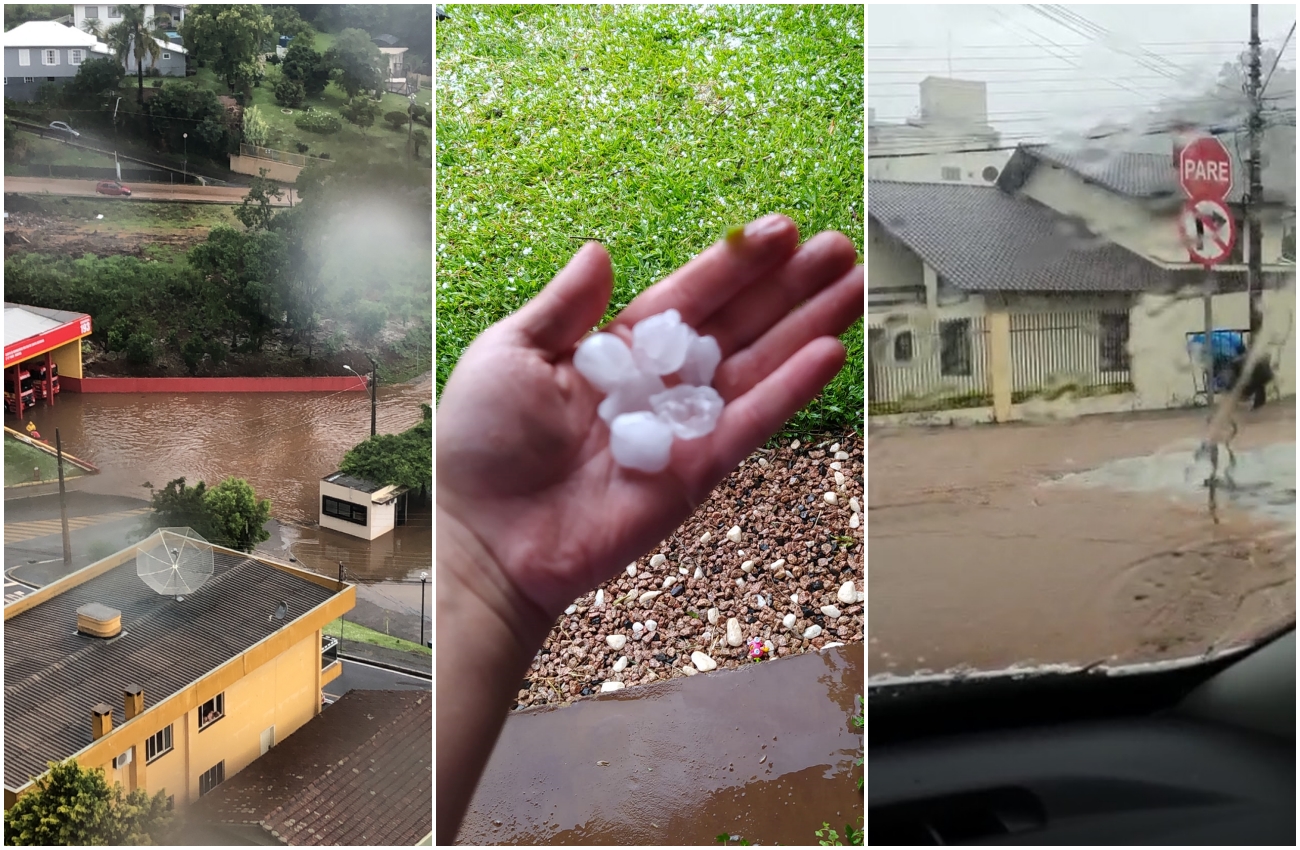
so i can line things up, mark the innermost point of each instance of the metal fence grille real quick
(1055, 352)
(279, 156)
(929, 365)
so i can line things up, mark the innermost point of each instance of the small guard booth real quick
(361, 508)
(41, 347)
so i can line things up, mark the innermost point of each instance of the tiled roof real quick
(983, 239)
(52, 675)
(360, 773)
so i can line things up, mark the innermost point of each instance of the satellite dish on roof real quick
(280, 611)
(174, 561)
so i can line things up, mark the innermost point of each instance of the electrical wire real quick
(1278, 58)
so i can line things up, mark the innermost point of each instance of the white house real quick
(109, 15)
(40, 52)
(358, 507)
(950, 141)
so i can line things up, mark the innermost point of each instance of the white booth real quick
(358, 507)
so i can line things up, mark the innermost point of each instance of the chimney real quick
(134, 700)
(101, 721)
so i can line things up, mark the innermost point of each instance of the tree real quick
(95, 78)
(256, 129)
(396, 119)
(418, 140)
(95, 27)
(358, 61)
(15, 143)
(244, 276)
(290, 92)
(288, 22)
(238, 516)
(229, 38)
(308, 67)
(21, 13)
(361, 111)
(133, 38)
(404, 459)
(178, 505)
(187, 108)
(255, 212)
(72, 806)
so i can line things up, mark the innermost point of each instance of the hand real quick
(526, 482)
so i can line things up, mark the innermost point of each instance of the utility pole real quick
(1254, 259)
(63, 501)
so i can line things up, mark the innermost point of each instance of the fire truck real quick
(26, 394)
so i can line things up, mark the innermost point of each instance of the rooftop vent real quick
(99, 620)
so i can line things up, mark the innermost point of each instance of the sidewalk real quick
(416, 662)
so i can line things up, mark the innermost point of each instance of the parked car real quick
(63, 128)
(112, 187)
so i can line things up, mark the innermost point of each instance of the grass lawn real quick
(652, 129)
(43, 152)
(361, 634)
(133, 215)
(20, 459)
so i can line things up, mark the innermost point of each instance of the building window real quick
(212, 777)
(51, 57)
(29, 79)
(92, 11)
(158, 744)
(212, 711)
(50, 79)
(954, 348)
(75, 57)
(346, 511)
(112, 12)
(166, 55)
(903, 347)
(1113, 340)
(951, 173)
(24, 57)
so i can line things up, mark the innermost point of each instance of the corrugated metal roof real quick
(983, 239)
(360, 773)
(352, 482)
(52, 675)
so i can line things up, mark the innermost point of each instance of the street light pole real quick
(423, 578)
(374, 388)
(186, 139)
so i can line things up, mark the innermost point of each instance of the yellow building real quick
(164, 693)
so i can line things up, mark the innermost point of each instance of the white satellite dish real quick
(174, 561)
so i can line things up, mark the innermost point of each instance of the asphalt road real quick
(139, 191)
(363, 677)
(33, 536)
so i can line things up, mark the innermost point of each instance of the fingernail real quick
(767, 226)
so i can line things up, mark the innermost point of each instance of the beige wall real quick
(929, 167)
(280, 171)
(380, 518)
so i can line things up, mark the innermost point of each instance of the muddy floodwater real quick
(766, 752)
(1075, 542)
(282, 443)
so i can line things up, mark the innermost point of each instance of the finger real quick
(750, 419)
(571, 304)
(818, 263)
(707, 282)
(830, 313)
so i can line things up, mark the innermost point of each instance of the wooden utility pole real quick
(1255, 259)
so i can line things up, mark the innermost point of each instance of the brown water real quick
(766, 752)
(282, 443)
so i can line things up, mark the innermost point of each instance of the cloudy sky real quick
(1052, 70)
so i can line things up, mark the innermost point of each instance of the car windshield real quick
(1081, 335)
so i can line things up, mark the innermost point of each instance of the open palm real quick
(524, 465)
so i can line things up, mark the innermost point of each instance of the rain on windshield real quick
(1081, 334)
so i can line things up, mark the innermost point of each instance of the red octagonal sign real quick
(1205, 169)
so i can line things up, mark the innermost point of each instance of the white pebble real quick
(835, 447)
(734, 636)
(702, 662)
(859, 596)
(841, 455)
(684, 570)
(848, 593)
(606, 687)
(650, 625)
(600, 598)
(748, 566)
(713, 616)
(831, 645)
(812, 631)
(734, 534)
(630, 397)
(705, 537)
(854, 521)
(605, 361)
(699, 572)
(638, 627)
(689, 670)
(702, 358)
(835, 465)
(794, 597)
(621, 664)
(616, 642)
(670, 581)
(788, 621)
(839, 479)
(641, 441)
(571, 609)
(762, 461)
(830, 497)
(795, 444)
(631, 569)
(759, 602)
(831, 611)
(649, 596)
(660, 343)
(740, 582)
(855, 505)
(777, 565)
(658, 560)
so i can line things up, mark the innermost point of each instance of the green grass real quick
(688, 122)
(41, 152)
(20, 459)
(361, 634)
(121, 214)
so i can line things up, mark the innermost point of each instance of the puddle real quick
(766, 752)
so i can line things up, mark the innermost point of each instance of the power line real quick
(1277, 58)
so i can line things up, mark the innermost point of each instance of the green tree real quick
(15, 143)
(132, 38)
(289, 92)
(288, 21)
(396, 119)
(255, 212)
(237, 515)
(21, 13)
(358, 61)
(95, 27)
(256, 129)
(187, 108)
(229, 38)
(244, 275)
(419, 139)
(72, 806)
(404, 459)
(178, 505)
(95, 78)
(308, 67)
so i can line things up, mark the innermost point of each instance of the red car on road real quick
(112, 187)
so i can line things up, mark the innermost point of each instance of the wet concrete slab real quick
(766, 752)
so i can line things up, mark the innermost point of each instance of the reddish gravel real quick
(777, 499)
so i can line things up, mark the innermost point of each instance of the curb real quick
(396, 668)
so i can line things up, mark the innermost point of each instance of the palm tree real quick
(95, 27)
(134, 36)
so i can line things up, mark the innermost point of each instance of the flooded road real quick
(1075, 542)
(765, 752)
(282, 443)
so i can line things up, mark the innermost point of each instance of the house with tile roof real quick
(171, 693)
(1063, 275)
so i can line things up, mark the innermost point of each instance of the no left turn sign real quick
(1208, 231)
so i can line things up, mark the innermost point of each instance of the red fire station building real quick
(40, 347)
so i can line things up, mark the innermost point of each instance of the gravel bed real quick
(794, 540)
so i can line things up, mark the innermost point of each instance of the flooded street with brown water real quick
(1075, 542)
